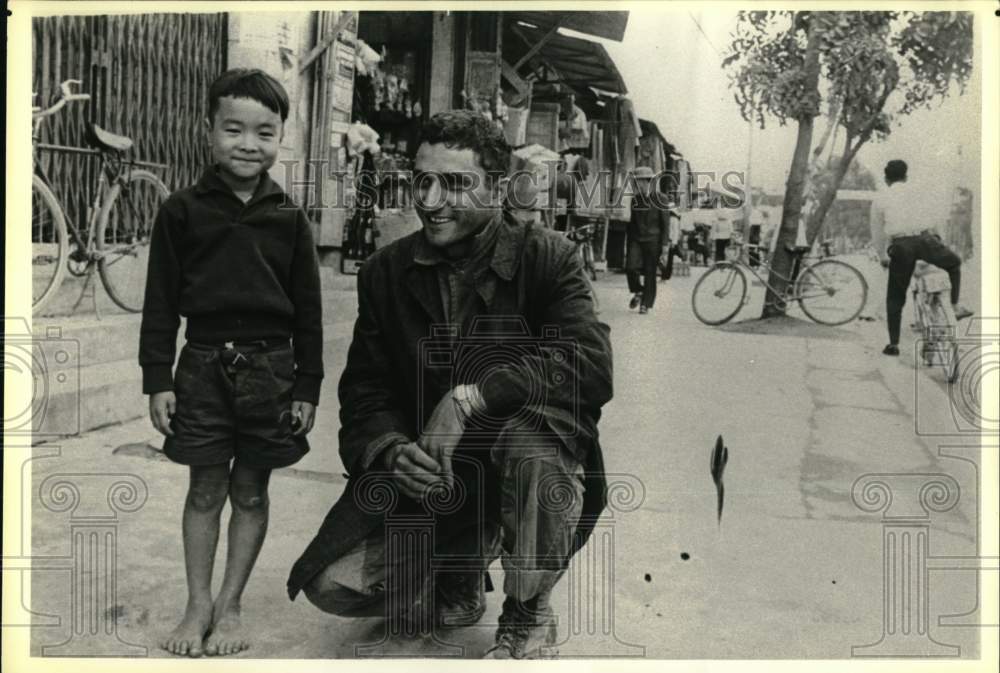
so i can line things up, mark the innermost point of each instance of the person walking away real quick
(236, 258)
(722, 232)
(647, 234)
(899, 227)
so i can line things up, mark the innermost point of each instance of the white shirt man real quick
(899, 209)
(904, 232)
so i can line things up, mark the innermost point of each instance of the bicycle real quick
(829, 291)
(583, 237)
(123, 206)
(935, 318)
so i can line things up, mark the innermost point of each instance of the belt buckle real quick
(231, 348)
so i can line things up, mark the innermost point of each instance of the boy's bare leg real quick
(206, 496)
(247, 526)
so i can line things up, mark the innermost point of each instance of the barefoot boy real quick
(238, 262)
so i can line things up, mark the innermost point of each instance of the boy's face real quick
(244, 136)
(453, 196)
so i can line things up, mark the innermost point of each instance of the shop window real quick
(392, 97)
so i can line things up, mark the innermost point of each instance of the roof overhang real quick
(577, 63)
(609, 25)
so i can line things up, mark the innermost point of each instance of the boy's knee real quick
(248, 498)
(207, 496)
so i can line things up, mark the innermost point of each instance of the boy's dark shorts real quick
(238, 409)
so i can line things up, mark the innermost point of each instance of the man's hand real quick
(162, 407)
(414, 470)
(444, 430)
(303, 417)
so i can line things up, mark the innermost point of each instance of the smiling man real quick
(473, 387)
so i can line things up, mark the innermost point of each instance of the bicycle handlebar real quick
(66, 95)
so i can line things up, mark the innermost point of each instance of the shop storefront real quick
(549, 92)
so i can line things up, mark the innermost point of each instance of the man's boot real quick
(460, 597)
(525, 628)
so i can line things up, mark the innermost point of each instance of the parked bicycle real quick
(123, 205)
(935, 318)
(583, 237)
(829, 291)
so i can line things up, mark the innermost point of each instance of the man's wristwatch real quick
(468, 399)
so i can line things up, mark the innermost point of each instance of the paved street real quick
(794, 570)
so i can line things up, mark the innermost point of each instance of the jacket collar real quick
(210, 181)
(506, 249)
(508, 241)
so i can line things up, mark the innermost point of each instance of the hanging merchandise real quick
(362, 138)
(366, 59)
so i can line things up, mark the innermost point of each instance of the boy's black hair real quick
(248, 83)
(464, 129)
(895, 171)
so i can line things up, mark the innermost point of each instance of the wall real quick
(276, 43)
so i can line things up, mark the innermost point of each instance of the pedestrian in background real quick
(648, 236)
(722, 232)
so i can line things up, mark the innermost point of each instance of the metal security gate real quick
(148, 77)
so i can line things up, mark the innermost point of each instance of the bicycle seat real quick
(797, 249)
(100, 139)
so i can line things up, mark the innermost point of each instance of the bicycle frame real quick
(107, 176)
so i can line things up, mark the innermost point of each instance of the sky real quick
(675, 79)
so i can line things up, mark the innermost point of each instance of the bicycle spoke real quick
(124, 236)
(831, 292)
(718, 295)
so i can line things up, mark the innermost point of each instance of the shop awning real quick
(609, 25)
(577, 63)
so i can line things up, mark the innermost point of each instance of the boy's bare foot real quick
(187, 638)
(228, 635)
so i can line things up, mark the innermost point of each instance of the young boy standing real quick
(232, 256)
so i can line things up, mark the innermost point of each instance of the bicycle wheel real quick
(718, 295)
(831, 292)
(941, 346)
(123, 234)
(49, 244)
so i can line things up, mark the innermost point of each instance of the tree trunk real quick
(815, 224)
(791, 212)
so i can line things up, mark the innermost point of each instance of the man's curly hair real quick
(464, 129)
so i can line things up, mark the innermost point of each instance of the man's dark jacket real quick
(534, 273)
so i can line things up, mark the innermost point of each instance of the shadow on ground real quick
(793, 327)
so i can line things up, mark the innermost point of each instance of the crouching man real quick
(472, 390)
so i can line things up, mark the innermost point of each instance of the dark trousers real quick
(527, 485)
(640, 267)
(720, 249)
(904, 251)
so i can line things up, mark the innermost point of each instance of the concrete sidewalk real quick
(794, 570)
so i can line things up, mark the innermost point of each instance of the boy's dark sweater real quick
(237, 272)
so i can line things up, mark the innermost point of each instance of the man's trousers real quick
(522, 496)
